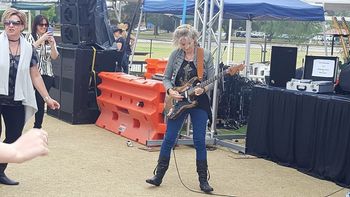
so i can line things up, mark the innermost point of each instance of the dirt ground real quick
(86, 160)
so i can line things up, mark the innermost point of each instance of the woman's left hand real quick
(53, 104)
(52, 41)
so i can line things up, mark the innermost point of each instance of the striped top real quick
(44, 56)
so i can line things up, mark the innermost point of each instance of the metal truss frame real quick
(204, 23)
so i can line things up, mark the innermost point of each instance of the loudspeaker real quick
(77, 23)
(75, 85)
(344, 79)
(74, 14)
(85, 22)
(76, 34)
(283, 65)
(55, 90)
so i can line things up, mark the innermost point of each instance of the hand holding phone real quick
(50, 30)
(50, 38)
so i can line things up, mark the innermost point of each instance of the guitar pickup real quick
(185, 94)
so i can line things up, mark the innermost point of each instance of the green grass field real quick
(162, 50)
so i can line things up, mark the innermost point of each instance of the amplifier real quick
(305, 85)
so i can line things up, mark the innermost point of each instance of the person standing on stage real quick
(129, 42)
(181, 67)
(45, 45)
(18, 73)
(121, 49)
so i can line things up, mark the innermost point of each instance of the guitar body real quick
(179, 107)
(175, 108)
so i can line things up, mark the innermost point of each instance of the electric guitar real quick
(187, 91)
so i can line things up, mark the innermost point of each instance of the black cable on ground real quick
(331, 194)
(193, 190)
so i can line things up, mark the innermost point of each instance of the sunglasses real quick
(43, 25)
(14, 23)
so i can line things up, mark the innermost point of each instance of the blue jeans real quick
(199, 119)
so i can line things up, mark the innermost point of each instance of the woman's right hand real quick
(175, 94)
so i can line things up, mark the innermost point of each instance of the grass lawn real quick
(242, 130)
(158, 50)
(163, 49)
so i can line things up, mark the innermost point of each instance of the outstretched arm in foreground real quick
(30, 145)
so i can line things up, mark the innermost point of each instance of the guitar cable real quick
(181, 181)
(334, 192)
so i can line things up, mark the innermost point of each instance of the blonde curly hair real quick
(186, 31)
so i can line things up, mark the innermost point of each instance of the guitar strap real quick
(200, 61)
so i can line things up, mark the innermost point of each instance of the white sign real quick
(323, 68)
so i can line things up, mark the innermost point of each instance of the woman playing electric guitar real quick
(183, 65)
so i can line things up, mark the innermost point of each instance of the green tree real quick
(299, 31)
(161, 21)
(128, 12)
(51, 14)
(155, 19)
(168, 23)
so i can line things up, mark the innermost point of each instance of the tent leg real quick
(248, 31)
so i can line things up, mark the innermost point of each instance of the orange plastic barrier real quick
(155, 66)
(131, 106)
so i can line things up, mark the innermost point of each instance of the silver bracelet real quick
(46, 98)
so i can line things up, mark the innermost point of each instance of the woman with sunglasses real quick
(45, 45)
(18, 73)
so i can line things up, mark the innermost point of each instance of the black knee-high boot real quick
(3, 178)
(159, 172)
(202, 170)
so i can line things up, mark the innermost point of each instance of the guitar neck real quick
(231, 70)
(211, 80)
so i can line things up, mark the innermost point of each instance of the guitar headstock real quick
(235, 69)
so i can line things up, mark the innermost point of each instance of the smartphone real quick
(50, 29)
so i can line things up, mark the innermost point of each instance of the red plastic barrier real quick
(131, 106)
(155, 66)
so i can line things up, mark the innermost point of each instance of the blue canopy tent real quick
(168, 6)
(246, 10)
(30, 6)
(294, 10)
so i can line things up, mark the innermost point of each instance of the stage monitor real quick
(320, 68)
(283, 65)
